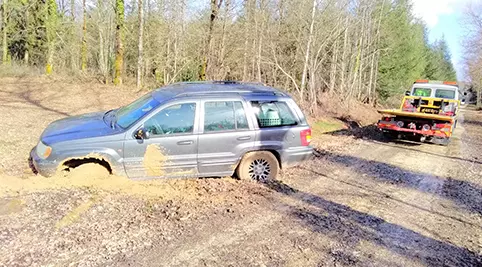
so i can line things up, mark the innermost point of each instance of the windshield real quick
(422, 92)
(445, 93)
(131, 113)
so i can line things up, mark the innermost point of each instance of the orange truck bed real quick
(397, 112)
(424, 116)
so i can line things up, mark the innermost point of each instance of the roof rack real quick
(220, 82)
(238, 92)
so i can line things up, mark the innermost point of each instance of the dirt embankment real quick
(361, 202)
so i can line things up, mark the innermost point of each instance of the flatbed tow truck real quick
(428, 112)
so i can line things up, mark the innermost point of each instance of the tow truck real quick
(429, 112)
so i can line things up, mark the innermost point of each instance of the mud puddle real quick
(95, 177)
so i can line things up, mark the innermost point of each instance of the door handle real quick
(187, 142)
(243, 138)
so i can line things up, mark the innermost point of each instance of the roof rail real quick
(238, 92)
(220, 82)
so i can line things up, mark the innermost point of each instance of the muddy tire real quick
(87, 170)
(261, 166)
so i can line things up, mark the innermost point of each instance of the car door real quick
(170, 146)
(226, 134)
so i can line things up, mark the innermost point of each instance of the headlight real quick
(43, 151)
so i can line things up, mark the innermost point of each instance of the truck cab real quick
(435, 89)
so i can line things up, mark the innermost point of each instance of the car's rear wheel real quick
(260, 166)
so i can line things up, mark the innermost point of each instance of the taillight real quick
(442, 127)
(305, 136)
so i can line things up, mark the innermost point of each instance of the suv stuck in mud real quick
(193, 129)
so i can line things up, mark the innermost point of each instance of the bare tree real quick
(308, 48)
(473, 47)
(140, 43)
(84, 37)
(4, 33)
(207, 68)
(119, 56)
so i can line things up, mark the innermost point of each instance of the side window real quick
(240, 114)
(177, 119)
(273, 114)
(224, 116)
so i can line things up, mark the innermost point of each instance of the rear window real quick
(422, 92)
(445, 93)
(273, 114)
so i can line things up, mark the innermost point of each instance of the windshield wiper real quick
(113, 122)
(107, 115)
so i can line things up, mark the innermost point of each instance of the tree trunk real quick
(247, 23)
(308, 47)
(344, 59)
(207, 65)
(84, 38)
(51, 32)
(140, 43)
(28, 38)
(4, 32)
(119, 54)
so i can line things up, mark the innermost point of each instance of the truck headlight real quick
(43, 150)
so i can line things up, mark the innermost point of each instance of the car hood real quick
(77, 127)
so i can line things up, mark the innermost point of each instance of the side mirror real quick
(142, 134)
(407, 93)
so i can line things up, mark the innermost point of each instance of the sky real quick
(443, 18)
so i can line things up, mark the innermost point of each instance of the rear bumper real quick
(41, 166)
(386, 126)
(297, 155)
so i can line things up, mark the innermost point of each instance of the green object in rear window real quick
(271, 118)
(426, 92)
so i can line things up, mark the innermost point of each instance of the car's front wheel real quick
(260, 166)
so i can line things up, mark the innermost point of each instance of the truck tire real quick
(261, 166)
(441, 141)
(389, 135)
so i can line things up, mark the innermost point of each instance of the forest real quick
(366, 50)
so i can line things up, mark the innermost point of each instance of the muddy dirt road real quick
(360, 202)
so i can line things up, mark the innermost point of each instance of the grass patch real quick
(325, 126)
(75, 214)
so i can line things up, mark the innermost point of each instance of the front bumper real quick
(41, 166)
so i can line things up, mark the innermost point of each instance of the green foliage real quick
(439, 62)
(365, 50)
(402, 60)
(407, 55)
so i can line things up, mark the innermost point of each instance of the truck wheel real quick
(389, 136)
(261, 166)
(441, 141)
